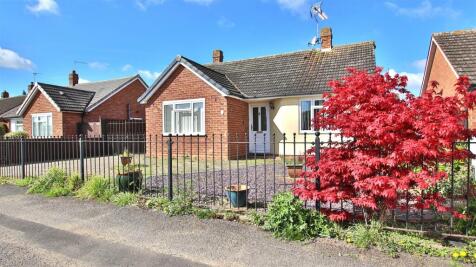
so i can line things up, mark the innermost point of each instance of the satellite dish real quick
(317, 14)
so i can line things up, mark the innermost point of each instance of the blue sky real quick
(116, 38)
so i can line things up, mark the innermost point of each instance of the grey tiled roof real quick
(460, 49)
(299, 73)
(68, 99)
(7, 104)
(103, 88)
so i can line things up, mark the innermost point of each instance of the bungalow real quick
(8, 107)
(53, 110)
(261, 98)
(451, 55)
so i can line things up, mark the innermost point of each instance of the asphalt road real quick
(38, 231)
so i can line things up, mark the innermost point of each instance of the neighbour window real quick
(184, 117)
(308, 110)
(42, 125)
(16, 125)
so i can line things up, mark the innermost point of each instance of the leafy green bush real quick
(288, 219)
(157, 202)
(204, 213)
(123, 199)
(466, 254)
(96, 188)
(364, 236)
(181, 205)
(16, 135)
(468, 224)
(54, 183)
(23, 182)
(257, 218)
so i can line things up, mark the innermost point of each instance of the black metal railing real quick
(236, 171)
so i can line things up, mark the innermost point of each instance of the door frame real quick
(268, 130)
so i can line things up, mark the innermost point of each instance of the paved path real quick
(37, 231)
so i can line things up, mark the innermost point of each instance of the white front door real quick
(259, 128)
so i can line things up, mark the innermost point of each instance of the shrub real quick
(54, 183)
(364, 236)
(257, 218)
(123, 199)
(3, 130)
(157, 203)
(23, 182)
(204, 213)
(16, 135)
(393, 134)
(288, 219)
(96, 188)
(179, 206)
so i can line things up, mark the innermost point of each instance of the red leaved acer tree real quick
(393, 144)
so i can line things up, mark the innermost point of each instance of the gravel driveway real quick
(37, 231)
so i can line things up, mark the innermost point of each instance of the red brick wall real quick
(70, 123)
(238, 125)
(115, 108)
(182, 85)
(442, 73)
(41, 104)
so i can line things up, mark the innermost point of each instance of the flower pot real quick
(237, 195)
(129, 181)
(126, 160)
(294, 171)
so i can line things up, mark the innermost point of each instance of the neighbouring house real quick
(450, 56)
(8, 107)
(53, 110)
(262, 97)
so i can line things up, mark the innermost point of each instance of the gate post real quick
(169, 165)
(317, 153)
(81, 158)
(22, 157)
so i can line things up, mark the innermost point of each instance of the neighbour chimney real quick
(5, 94)
(73, 78)
(30, 86)
(326, 38)
(217, 56)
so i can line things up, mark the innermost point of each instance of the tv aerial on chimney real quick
(318, 15)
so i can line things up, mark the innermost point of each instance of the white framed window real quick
(184, 117)
(308, 109)
(42, 125)
(16, 125)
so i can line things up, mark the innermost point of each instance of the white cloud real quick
(149, 75)
(44, 6)
(419, 64)
(425, 10)
(126, 67)
(414, 80)
(80, 80)
(200, 2)
(11, 60)
(296, 6)
(98, 65)
(225, 23)
(144, 4)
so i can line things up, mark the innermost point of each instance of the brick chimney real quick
(217, 56)
(30, 86)
(73, 78)
(5, 94)
(326, 38)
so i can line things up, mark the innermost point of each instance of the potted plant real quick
(294, 165)
(129, 178)
(237, 194)
(126, 157)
